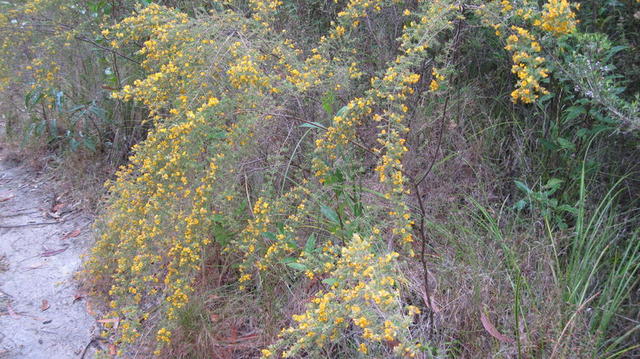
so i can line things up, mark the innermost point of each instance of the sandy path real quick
(42, 314)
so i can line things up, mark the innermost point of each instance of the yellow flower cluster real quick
(557, 17)
(243, 74)
(437, 79)
(363, 294)
(264, 10)
(357, 9)
(527, 65)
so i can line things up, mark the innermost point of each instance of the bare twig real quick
(423, 251)
(94, 341)
(246, 188)
(28, 224)
(439, 143)
(19, 214)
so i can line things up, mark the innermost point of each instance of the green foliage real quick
(549, 207)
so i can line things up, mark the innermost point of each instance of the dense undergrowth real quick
(363, 178)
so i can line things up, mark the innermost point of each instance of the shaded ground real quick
(42, 312)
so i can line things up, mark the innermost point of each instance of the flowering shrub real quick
(165, 203)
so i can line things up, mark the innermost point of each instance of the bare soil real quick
(43, 313)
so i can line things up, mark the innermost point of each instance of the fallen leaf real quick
(491, 329)
(73, 234)
(57, 207)
(53, 252)
(45, 305)
(112, 350)
(214, 317)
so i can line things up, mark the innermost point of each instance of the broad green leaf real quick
(297, 266)
(330, 214)
(330, 281)
(311, 243)
(566, 144)
(573, 112)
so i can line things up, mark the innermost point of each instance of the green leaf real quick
(88, 144)
(32, 98)
(311, 243)
(566, 144)
(73, 144)
(582, 133)
(341, 112)
(75, 108)
(523, 187)
(573, 112)
(217, 217)
(221, 234)
(553, 185)
(312, 125)
(334, 177)
(297, 266)
(327, 102)
(568, 208)
(520, 205)
(330, 214)
(287, 260)
(217, 135)
(99, 112)
(614, 50)
(546, 97)
(548, 144)
(330, 281)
